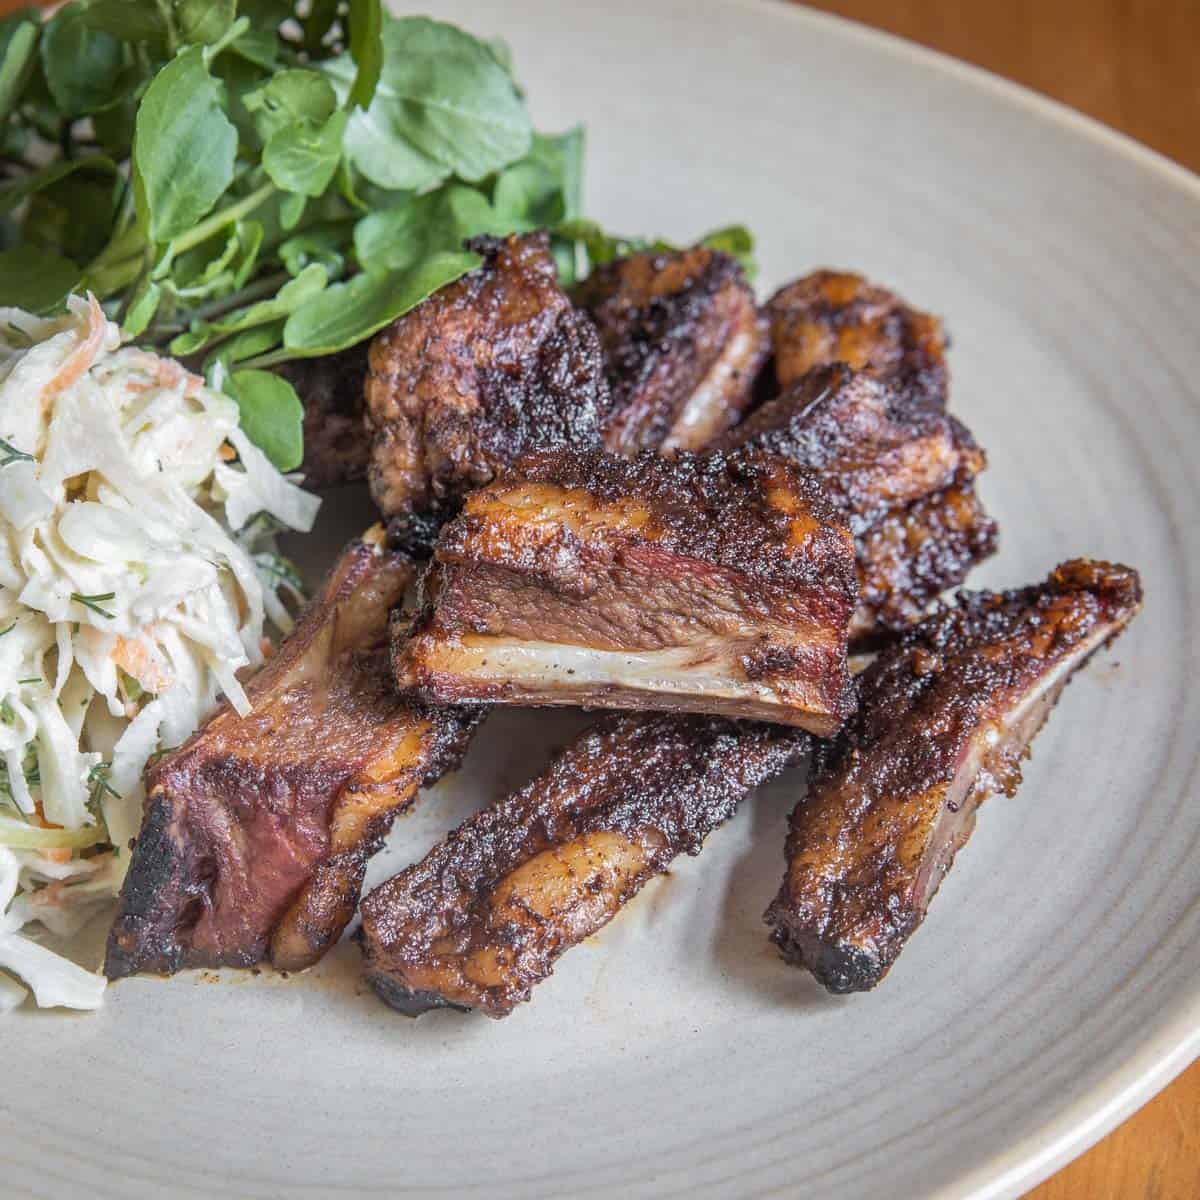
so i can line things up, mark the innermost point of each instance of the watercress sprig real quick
(244, 182)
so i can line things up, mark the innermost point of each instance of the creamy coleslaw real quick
(137, 573)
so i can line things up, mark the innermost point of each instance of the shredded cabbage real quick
(137, 571)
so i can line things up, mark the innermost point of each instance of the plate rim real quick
(1169, 1051)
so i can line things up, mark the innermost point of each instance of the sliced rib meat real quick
(488, 367)
(945, 717)
(911, 555)
(256, 832)
(876, 447)
(683, 342)
(486, 914)
(833, 316)
(698, 583)
(901, 469)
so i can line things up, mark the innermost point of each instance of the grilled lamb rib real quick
(485, 916)
(833, 316)
(683, 342)
(488, 367)
(699, 583)
(903, 472)
(946, 715)
(911, 555)
(257, 831)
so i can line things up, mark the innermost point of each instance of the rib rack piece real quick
(876, 447)
(683, 341)
(945, 717)
(903, 472)
(257, 831)
(911, 555)
(337, 447)
(490, 366)
(699, 584)
(485, 916)
(833, 316)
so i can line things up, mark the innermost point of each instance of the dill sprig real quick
(11, 454)
(94, 602)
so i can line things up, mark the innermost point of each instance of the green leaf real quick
(399, 237)
(250, 240)
(183, 148)
(202, 22)
(501, 52)
(81, 64)
(289, 299)
(259, 46)
(37, 280)
(248, 344)
(291, 209)
(303, 157)
(443, 106)
(366, 48)
(126, 19)
(324, 246)
(74, 213)
(142, 308)
(347, 313)
(13, 193)
(18, 45)
(270, 414)
(291, 96)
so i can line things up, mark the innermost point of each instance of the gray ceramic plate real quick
(1056, 983)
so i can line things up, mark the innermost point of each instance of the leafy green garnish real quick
(251, 181)
(270, 414)
(184, 147)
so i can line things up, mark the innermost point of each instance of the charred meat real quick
(903, 472)
(911, 555)
(256, 832)
(488, 367)
(485, 916)
(683, 342)
(946, 716)
(832, 316)
(876, 447)
(699, 583)
(336, 444)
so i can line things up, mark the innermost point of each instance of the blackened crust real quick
(945, 717)
(492, 365)
(484, 917)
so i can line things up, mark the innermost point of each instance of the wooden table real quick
(1134, 64)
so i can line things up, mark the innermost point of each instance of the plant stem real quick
(271, 359)
(218, 221)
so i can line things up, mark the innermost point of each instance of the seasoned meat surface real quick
(256, 832)
(903, 472)
(833, 316)
(485, 916)
(683, 342)
(911, 555)
(876, 447)
(946, 714)
(337, 446)
(491, 366)
(697, 583)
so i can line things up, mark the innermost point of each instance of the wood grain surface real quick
(1135, 65)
